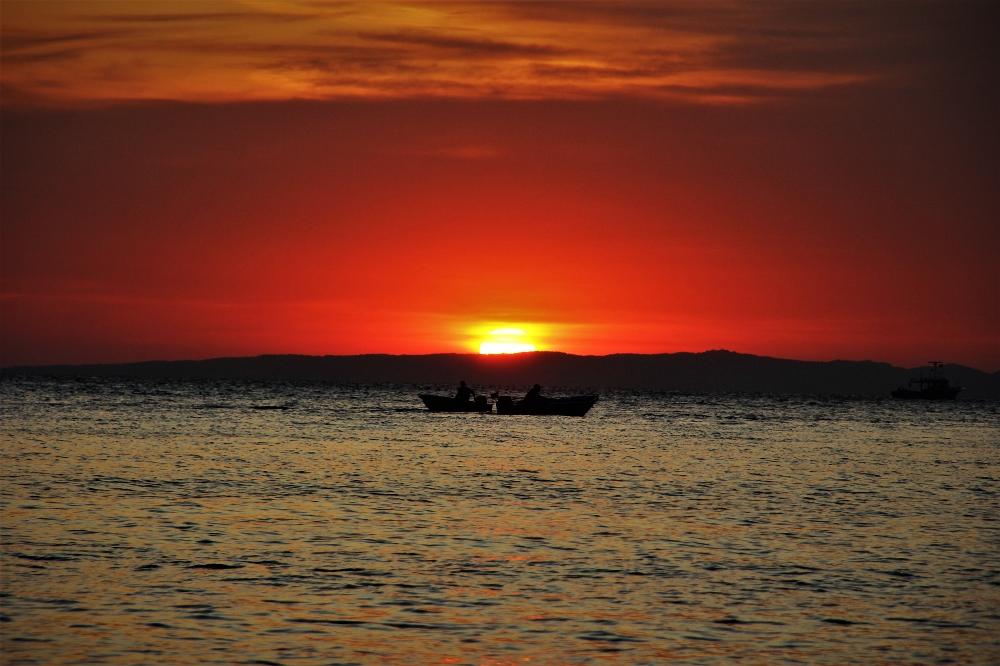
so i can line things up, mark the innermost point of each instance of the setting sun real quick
(506, 341)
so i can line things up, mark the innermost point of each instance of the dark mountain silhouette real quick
(711, 371)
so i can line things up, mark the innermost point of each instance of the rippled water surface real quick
(182, 523)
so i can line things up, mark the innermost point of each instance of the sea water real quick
(241, 523)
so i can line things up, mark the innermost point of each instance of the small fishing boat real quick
(446, 403)
(576, 405)
(928, 386)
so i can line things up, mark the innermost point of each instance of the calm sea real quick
(169, 522)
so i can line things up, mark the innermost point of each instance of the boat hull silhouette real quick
(932, 393)
(444, 403)
(577, 405)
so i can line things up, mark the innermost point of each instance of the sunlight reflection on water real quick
(164, 522)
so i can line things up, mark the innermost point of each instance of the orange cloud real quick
(102, 51)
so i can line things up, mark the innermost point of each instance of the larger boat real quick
(928, 386)
(574, 405)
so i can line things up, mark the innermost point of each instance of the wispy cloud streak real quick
(238, 51)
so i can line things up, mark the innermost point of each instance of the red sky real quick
(812, 180)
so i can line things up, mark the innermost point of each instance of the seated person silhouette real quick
(464, 393)
(534, 394)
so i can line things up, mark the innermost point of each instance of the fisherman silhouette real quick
(534, 394)
(464, 393)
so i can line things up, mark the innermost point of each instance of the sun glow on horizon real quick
(506, 340)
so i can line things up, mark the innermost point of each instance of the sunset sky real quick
(194, 179)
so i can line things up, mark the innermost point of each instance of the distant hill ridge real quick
(711, 371)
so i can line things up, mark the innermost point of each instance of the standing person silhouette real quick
(464, 393)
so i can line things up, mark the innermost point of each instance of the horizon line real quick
(4, 368)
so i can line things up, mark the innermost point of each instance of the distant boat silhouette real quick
(446, 403)
(928, 386)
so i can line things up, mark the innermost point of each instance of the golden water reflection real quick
(354, 528)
